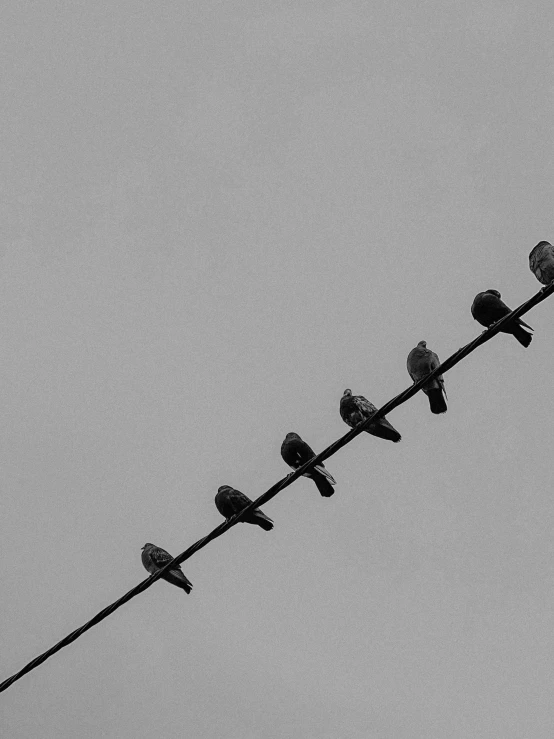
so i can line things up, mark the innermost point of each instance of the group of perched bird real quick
(487, 309)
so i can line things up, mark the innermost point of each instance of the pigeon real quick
(355, 408)
(296, 452)
(487, 308)
(154, 558)
(229, 501)
(420, 362)
(541, 262)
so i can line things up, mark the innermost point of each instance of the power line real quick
(485, 336)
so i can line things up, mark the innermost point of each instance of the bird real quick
(229, 501)
(541, 262)
(154, 558)
(420, 362)
(487, 308)
(355, 408)
(296, 452)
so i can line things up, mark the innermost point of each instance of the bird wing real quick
(496, 308)
(231, 501)
(434, 360)
(355, 409)
(176, 576)
(534, 258)
(433, 364)
(411, 364)
(522, 323)
(475, 306)
(296, 452)
(305, 451)
(537, 269)
(364, 405)
(541, 262)
(419, 363)
(239, 500)
(488, 309)
(325, 472)
(147, 561)
(160, 557)
(234, 502)
(297, 458)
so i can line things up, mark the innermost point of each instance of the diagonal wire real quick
(485, 336)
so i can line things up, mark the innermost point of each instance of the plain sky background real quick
(216, 216)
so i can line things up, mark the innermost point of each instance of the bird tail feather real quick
(324, 484)
(384, 430)
(522, 336)
(262, 520)
(325, 472)
(437, 402)
(178, 578)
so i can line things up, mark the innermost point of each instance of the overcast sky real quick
(215, 217)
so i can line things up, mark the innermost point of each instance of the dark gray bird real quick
(154, 558)
(487, 309)
(229, 501)
(420, 362)
(541, 262)
(296, 452)
(355, 408)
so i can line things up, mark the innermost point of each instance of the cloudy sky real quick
(214, 218)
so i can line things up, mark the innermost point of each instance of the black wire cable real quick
(485, 336)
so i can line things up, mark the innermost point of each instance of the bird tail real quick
(522, 335)
(325, 472)
(383, 429)
(436, 400)
(323, 482)
(262, 520)
(177, 577)
(187, 586)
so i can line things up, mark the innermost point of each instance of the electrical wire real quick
(485, 336)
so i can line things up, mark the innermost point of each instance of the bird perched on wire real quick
(229, 501)
(487, 308)
(154, 558)
(541, 262)
(296, 452)
(420, 362)
(355, 408)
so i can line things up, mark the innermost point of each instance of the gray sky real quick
(215, 217)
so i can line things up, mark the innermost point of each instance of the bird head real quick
(222, 488)
(146, 546)
(347, 393)
(493, 292)
(422, 345)
(292, 435)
